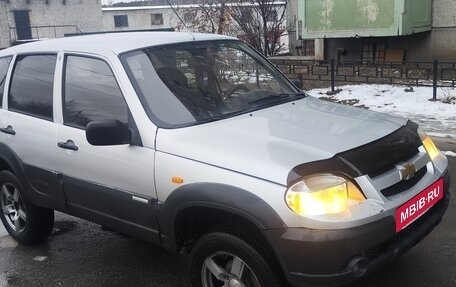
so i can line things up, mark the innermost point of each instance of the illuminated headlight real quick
(322, 194)
(429, 145)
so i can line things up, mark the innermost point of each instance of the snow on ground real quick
(449, 153)
(438, 118)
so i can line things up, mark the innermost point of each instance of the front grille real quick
(404, 184)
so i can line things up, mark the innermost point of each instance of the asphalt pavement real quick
(80, 253)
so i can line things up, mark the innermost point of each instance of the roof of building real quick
(187, 6)
(115, 42)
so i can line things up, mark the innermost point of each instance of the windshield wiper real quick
(255, 105)
(276, 98)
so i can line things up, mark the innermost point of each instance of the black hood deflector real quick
(370, 159)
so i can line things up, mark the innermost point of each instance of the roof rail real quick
(122, 31)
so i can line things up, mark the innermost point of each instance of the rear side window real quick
(91, 93)
(4, 64)
(32, 85)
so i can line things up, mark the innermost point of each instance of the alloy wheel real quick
(13, 207)
(224, 269)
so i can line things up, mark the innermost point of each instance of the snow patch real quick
(437, 117)
(40, 258)
(7, 242)
(449, 153)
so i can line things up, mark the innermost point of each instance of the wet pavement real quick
(80, 253)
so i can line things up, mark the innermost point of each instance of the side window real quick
(91, 93)
(4, 64)
(32, 85)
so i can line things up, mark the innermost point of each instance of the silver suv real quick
(198, 144)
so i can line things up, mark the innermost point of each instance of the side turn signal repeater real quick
(177, 179)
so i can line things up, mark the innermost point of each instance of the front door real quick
(112, 185)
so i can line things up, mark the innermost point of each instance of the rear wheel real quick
(222, 259)
(25, 222)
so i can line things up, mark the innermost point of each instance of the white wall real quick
(4, 26)
(444, 14)
(82, 15)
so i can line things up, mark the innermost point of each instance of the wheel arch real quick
(210, 201)
(10, 161)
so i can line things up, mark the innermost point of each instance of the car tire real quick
(25, 222)
(217, 252)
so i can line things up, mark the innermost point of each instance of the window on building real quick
(247, 16)
(156, 18)
(189, 16)
(4, 64)
(307, 48)
(91, 93)
(373, 50)
(272, 16)
(121, 20)
(32, 86)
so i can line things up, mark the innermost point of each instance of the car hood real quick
(268, 143)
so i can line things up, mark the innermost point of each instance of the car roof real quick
(115, 42)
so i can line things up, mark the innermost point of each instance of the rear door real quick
(113, 185)
(27, 124)
(4, 67)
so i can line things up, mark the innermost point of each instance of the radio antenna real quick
(182, 21)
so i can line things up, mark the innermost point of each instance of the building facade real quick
(189, 17)
(140, 18)
(375, 30)
(25, 20)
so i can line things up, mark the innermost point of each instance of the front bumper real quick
(333, 257)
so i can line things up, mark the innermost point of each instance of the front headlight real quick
(322, 194)
(429, 145)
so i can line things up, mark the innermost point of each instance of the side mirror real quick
(107, 132)
(297, 83)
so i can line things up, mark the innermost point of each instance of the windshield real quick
(191, 83)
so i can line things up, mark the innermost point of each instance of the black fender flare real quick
(13, 161)
(18, 169)
(217, 196)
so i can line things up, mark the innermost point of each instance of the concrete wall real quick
(444, 14)
(442, 41)
(4, 26)
(81, 15)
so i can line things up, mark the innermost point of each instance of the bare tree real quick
(210, 16)
(262, 23)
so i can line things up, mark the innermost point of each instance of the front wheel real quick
(222, 259)
(25, 222)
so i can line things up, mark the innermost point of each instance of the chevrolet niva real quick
(198, 144)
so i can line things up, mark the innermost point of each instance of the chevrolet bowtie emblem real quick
(407, 170)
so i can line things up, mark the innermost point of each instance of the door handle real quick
(69, 144)
(8, 130)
